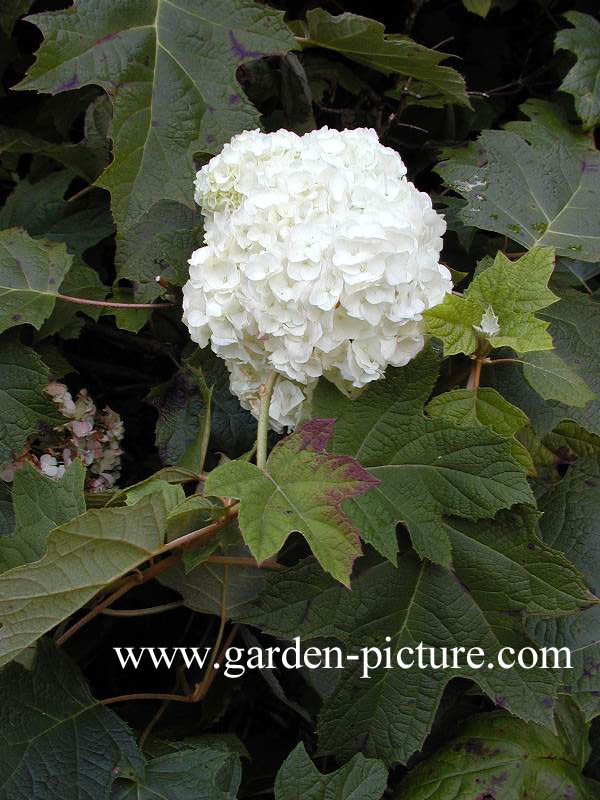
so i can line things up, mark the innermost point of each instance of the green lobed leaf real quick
(301, 490)
(575, 330)
(571, 523)
(583, 79)
(389, 715)
(498, 306)
(26, 409)
(299, 779)
(40, 504)
(202, 772)
(171, 96)
(81, 281)
(497, 756)
(364, 40)
(548, 124)
(82, 556)
(57, 741)
(220, 589)
(538, 194)
(31, 271)
(42, 210)
(483, 406)
(426, 468)
(160, 243)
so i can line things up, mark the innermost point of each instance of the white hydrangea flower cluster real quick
(320, 258)
(93, 437)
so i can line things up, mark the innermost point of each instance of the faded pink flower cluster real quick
(89, 435)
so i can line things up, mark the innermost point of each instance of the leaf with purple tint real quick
(302, 490)
(169, 67)
(426, 468)
(498, 756)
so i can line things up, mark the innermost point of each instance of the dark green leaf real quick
(389, 715)
(40, 504)
(537, 194)
(583, 79)
(364, 40)
(25, 408)
(299, 779)
(31, 271)
(57, 741)
(571, 523)
(201, 772)
(426, 467)
(171, 96)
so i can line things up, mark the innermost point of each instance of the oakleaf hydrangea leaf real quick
(498, 756)
(199, 771)
(82, 556)
(31, 271)
(219, 589)
(299, 779)
(25, 408)
(498, 305)
(56, 740)
(571, 523)
(583, 79)
(172, 97)
(547, 125)
(364, 40)
(426, 467)
(302, 490)
(538, 192)
(41, 504)
(389, 715)
(575, 329)
(484, 406)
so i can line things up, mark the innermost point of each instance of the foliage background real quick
(97, 156)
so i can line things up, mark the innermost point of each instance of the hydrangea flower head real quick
(319, 259)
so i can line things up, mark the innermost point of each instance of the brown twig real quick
(211, 673)
(134, 580)
(196, 537)
(492, 361)
(124, 698)
(109, 304)
(142, 612)
(242, 561)
(475, 374)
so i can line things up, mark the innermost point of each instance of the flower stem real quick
(263, 421)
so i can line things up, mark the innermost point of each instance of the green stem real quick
(263, 421)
